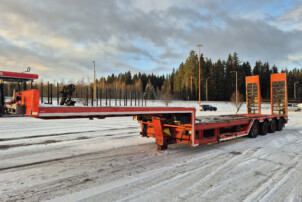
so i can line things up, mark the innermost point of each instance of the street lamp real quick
(236, 86)
(24, 83)
(199, 72)
(94, 80)
(27, 70)
(207, 88)
(295, 89)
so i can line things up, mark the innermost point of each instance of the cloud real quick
(149, 5)
(292, 15)
(291, 19)
(59, 40)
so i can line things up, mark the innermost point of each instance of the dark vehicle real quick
(207, 108)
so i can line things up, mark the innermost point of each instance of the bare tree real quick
(240, 100)
(165, 93)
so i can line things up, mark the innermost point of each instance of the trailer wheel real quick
(272, 126)
(263, 129)
(254, 130)
(280, 124)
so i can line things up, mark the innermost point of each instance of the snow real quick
(107, 160)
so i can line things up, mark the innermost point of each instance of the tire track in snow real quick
(275, 181)
(55, 159)
(60, 134)
(140, 165)
(51, 141)
(134, 191)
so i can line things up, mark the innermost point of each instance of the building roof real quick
(17, 76)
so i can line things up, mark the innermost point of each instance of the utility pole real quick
(295, 89)
(207, 88)
(1, 96)
(94, 80)
(199, 72)
(236, 87)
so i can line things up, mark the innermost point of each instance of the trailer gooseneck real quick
(169, 125)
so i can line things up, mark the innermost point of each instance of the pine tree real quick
(274, 70)
(246, 69)
(257, 67)
(229, 81)
(218, 81)
(191, 66)
(149, 91)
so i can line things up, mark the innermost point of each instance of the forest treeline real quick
(182, 82)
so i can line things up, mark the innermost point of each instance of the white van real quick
(293, 107)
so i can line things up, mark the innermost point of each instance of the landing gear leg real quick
(162, 147)
(159, 135)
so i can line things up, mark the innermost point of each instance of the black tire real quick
(263, 129)
(1, 112)
(298, 110)
(280, 124)
(254, 130)
(272, 126)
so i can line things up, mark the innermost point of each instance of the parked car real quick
(293, 107)
(207, 108)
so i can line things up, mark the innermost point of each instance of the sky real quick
(60, 39)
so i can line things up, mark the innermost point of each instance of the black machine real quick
(67, 94)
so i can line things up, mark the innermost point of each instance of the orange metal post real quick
(159, 135)
(30, 99)
(253, 94)
(279, 97)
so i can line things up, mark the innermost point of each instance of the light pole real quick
(295, 89)
(207, 88)
(94, 81)
(24, 83)
(236, 87)
(199, 72)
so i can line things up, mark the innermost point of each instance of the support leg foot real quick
(162, 147)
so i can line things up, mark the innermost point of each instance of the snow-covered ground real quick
(107, 160)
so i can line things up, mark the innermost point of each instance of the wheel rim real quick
(273, 125)
(265, 128)
(280, 124)
(255, 130)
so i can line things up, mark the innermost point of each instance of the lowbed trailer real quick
(169, 125)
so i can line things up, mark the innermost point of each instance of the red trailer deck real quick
(170, 125)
